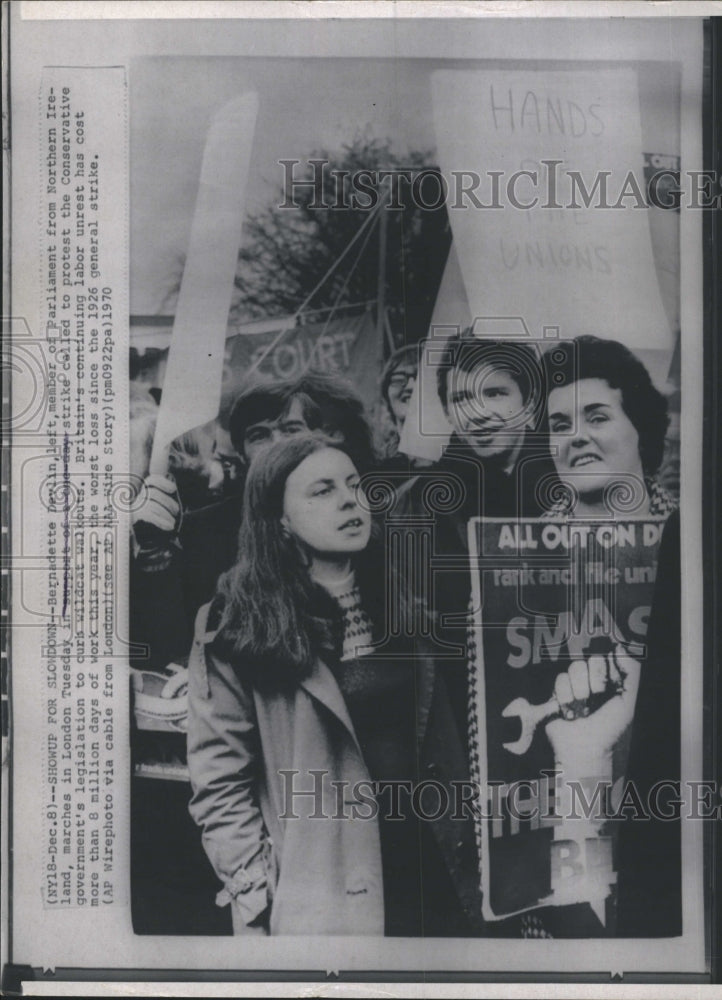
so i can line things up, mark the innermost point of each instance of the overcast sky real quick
(307, 104)
(303, 105)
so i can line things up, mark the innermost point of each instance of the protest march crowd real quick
(295, 647)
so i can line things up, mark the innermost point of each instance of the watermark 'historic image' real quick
(404, 562)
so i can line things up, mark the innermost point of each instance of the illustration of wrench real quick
(530, 716)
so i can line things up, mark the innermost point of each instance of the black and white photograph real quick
(366, 356)
(293, 557)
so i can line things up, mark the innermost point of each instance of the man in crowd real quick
(397, 385)
(491, 392)
(398, 380)
(494, 466)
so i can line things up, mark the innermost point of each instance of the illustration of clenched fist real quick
(586, 733)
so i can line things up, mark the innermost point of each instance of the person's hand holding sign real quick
(156, 514)
(584, 737)
(596, 698)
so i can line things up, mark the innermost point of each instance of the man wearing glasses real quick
(398, 381)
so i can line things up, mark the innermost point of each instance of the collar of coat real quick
(320, 684)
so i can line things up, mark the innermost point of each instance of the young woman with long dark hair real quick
(306, 716)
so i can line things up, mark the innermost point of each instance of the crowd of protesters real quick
(257, 562)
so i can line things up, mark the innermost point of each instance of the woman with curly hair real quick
(618, 713)
(607, 427)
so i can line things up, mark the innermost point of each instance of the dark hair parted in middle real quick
(465, 352)
(592, 357)
(273, 618)
(328, 403)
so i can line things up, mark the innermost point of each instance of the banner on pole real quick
(343, 346)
